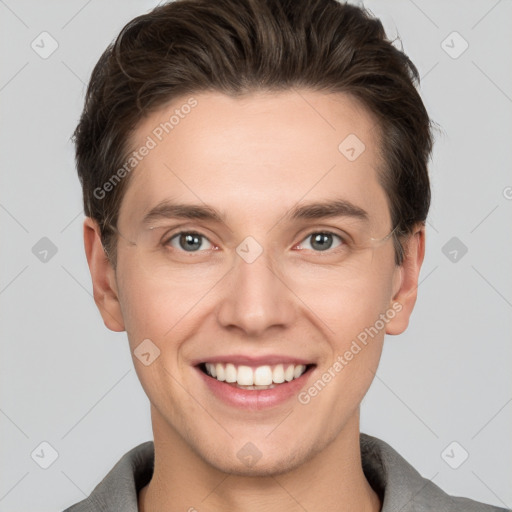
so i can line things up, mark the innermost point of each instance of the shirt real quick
(400, 487)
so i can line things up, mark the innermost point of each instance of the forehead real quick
(260, 154)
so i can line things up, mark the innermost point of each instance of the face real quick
(267, 314)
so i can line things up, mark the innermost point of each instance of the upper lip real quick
(253, 361)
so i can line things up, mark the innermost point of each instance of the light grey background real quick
(67, 380)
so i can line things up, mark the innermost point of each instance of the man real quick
(255, 185)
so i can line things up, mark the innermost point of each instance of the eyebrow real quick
(327, 209)
(309, 211)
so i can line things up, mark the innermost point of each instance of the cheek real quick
(347, 300)
(355, 339)
(157, 300)
(353, 310)
(358, 313)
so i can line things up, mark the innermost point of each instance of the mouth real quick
(254, 378)
(248, 385)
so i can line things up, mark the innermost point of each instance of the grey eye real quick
(187, 241)
(322, 241)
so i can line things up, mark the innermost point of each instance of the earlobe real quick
(103, 277)
(407, 277)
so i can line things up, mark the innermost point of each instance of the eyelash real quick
(167, 240)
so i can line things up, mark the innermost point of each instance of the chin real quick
(249, 461)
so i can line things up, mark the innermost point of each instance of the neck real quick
(331, 480)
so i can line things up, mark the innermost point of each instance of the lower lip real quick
(255, 399)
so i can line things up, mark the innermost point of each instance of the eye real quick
(191, 241)
(322, 241)
(188, 241)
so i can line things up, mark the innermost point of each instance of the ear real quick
(103, 277)
(407, 275)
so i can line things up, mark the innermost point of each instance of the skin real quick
(255, 158)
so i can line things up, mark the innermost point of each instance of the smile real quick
(254, 378)
(254, 383)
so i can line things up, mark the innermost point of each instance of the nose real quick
(255, 297)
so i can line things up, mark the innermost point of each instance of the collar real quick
(400, 487)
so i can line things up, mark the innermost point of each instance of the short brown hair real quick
(239, 46)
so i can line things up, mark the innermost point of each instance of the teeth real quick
(278, 374)
(219, 370)
(230, 373)
(262, 377)
(257, 387)
(298, 371)
(288, 373)
(245, 376)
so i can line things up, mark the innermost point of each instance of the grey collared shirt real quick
(400, 487)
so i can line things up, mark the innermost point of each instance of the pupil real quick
(323, 240)
(190, 241)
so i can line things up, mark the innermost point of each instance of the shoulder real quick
(402, 488)
(119, 488)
